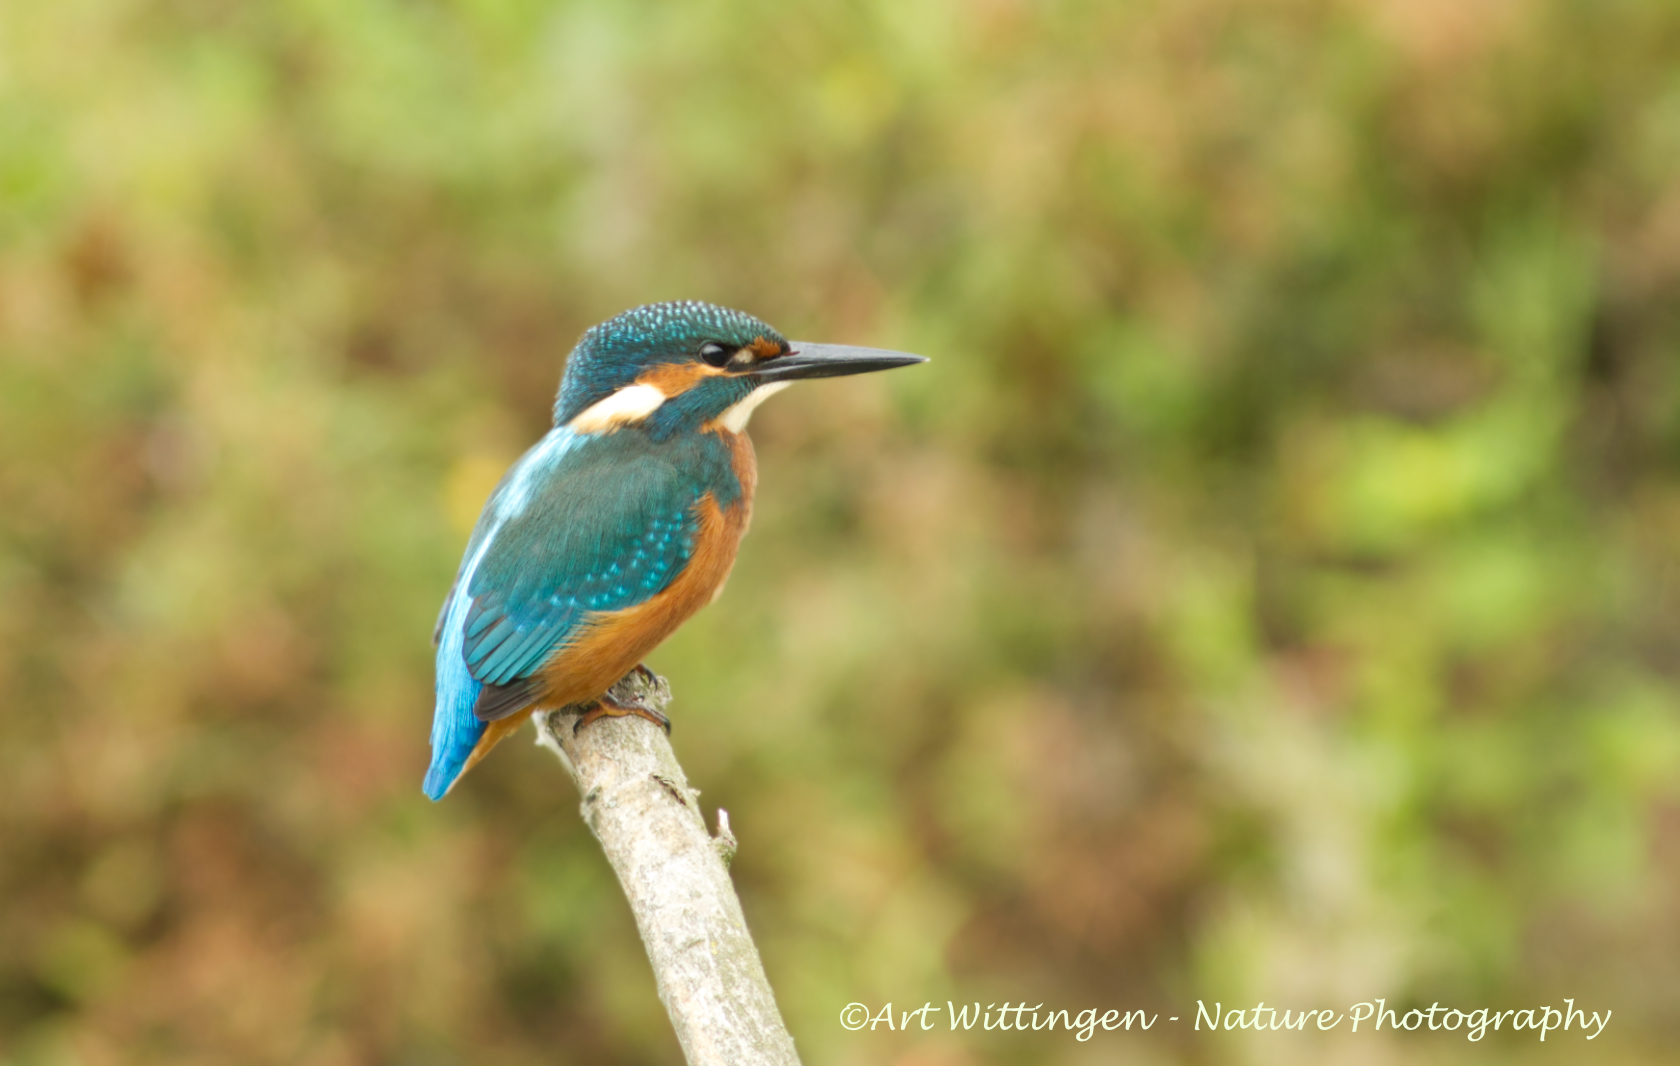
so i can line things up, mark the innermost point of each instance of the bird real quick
(617, 525)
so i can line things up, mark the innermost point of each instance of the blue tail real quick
(455, 729)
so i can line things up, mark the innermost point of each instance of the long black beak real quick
(808, 360)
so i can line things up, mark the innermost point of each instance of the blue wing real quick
(593, 548)
(580, 524)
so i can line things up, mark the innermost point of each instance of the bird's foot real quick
(611, 706)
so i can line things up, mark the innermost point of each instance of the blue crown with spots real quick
(611, 355)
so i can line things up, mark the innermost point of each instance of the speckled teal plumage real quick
(581, 542)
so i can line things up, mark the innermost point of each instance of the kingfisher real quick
(616, 526)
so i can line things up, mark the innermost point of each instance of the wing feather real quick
(608, 525)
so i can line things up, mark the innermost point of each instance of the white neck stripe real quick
(735, 419)
(629, 404)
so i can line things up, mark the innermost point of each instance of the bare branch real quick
(637, 802)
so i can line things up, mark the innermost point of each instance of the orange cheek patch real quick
(674, 379)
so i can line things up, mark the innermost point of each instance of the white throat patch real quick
(629, 404)
(735, 419)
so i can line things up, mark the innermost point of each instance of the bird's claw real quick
(611, 706)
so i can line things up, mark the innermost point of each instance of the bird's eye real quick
(714, 353)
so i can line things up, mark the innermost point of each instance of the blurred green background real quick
(1270, 591)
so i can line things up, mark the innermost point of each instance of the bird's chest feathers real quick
(743, 463)
(609, 643)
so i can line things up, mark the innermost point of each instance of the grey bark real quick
(637, 802)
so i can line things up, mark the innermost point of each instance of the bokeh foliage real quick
(1271, 591)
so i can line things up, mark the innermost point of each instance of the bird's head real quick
(684, 366)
